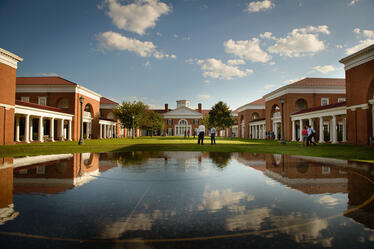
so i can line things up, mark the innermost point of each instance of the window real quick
(170, 131)
(40, 170)
(341, 100)
(170, 121)
(42, 100)
(325, 170)
(324, 101)
(196, 121)
(25, 99)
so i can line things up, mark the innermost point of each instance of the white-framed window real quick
(25, 99)
(325, 170)
(170, 131)
(169, 121)
(40, 170)
(42, 100)
(196, 121)
(341, 100)
(324, 101)
(326, 126)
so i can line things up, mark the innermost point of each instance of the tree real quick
(125, 111)
(152, 121)
(220, 116)
(205, 121)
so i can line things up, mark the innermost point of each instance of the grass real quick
(339, 151)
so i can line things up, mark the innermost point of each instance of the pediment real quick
(183, 112)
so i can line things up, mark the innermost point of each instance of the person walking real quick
(201, 134)
(213, 135)
(304, 132)
(311, 133)
(188, 133)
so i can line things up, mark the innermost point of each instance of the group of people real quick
(308, 135)
(201, 134)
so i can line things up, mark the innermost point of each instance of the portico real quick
(107, 129)
(257, 129)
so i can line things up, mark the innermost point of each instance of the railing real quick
(86, 114)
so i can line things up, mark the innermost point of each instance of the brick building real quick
(359, 73)
(251, 119)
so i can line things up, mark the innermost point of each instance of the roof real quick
(54, 80)
(43, 107)
(309, 83)
(257, 119)
(256, 104)
(318, 108)
(104, 100)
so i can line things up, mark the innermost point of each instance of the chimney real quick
(199, 107)
(166, 107)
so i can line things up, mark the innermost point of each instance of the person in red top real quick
(305, 135)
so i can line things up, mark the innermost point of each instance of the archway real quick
(301, 104)
(182, 128)
(63, 103)
(255, 115)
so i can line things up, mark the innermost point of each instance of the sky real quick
(160, 51)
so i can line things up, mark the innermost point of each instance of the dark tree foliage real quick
(125, 111)
(220, 116)
(152, 121)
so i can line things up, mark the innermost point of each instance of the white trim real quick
(9, 58)
(341, 110)
(305, 91)
(250, 107)
(358, 58)
(36, 88)
(362, 106)
(260, 122)
(6, 106)
(87, 92)
(107, 122)
(371, 101)
(25, 110)
(108, 106)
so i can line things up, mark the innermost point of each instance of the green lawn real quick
(351, 152)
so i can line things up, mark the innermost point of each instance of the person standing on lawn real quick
(304, 132)
(311, 133)
(213, 135)
(201, 134)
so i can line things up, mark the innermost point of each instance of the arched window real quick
(63, 103)
(182, 122)
(255, 115)
(110, 115)
(275, 111)
(301, 104)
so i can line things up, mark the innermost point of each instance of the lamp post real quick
(81, 141)
(133, 131)
(283, 141)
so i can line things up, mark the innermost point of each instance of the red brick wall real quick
(175, 122)
(247, 116)
(360, 88)
(6, 185)
(7, 97)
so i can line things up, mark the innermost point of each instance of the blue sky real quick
(159, 51)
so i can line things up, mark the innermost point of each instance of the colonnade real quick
(257, 131)
(108, 130)
(330, 120)
(62, 133)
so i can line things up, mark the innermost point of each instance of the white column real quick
(70, 130)
(115, 131)
(301, 130)
(293, 131)
(52, 129)
(311, 123)
(27, 128)
(334, 133)
(31, 132)
(62, 129)
(104, 131)
(276, 131)
(17, 128)
(263, 131)
(321, 135)
(344, 129)
(101, 131)
(41, 130)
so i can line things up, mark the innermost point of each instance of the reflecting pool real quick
(185, 200)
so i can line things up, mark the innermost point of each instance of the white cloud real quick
(368, 40)
(328, 200)
(260, 5)
(204, 96)
(175, 36)
(324, 69)
(353, 2)
(236, 62)
(207, 82)
(137, 16)
(300, 42)
(247, 49)
(114, 41)
(267, 35)
(268, 86)
(271, 63)
(147, 63)
(339, 46)
(216, 69)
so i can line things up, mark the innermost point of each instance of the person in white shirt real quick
(201, 132)
(311, 133)
(213, 135)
